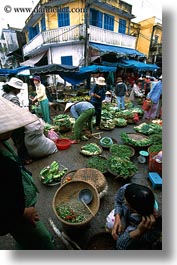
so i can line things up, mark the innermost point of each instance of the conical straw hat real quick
(68, 105)
(12, 116)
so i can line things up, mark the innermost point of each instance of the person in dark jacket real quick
(18, 193)
(137, 222)
(120, 92)
(97, 96)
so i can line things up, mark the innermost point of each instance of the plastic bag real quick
(52, 135)
(110, 220)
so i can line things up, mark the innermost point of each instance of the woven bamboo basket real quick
(138, 137)
(92, 176)
(69, 192)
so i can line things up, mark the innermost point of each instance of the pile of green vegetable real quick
(107, 124)
(48, 127)
(52, 173)
(98, 162)
(68, 214)
(91, 149)
(121, 167)
(121, 150)
(155, 148)
(138, 143)
(150, 128)
(120, 122)
(63, 122)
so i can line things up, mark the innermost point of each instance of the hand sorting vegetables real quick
(52, 173)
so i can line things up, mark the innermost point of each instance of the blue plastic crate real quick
(155, 179)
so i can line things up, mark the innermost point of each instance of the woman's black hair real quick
(6, 88)
(140, 198)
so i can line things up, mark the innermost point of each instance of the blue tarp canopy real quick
(116, 49)
(6, 71)
(85, 72)
(133, 64)
(139, 65)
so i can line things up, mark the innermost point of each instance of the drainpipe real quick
(87, 32)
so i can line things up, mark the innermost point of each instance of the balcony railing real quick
(77, 33)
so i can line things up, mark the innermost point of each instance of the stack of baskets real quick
(92, 176)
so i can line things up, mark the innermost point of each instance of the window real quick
(43, 25)
(67, 60)
(96, 18)
(156, 38)
(64, 17)
(108, 22)
(33, 31)
(122, 26)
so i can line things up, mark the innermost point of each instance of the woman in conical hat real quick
(11, 90)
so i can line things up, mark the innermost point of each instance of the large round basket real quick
(138, 137)
(68, 195)
(93, 177)
(121, 146)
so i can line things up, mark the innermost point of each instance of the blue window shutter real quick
(43, 24)
(67, 60)
(33, 31)
(100, 19)
(64, 17)
(108, 22)
(96, 18)
(122, 25)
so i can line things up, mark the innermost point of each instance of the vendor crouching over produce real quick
(83, 112)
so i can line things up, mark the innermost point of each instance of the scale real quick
(142, 158)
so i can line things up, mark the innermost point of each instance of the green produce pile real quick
(91, 149)
(52, 173)
(155, 148)
(120, 122)
(138, 143)
(48, 127)
(73, 211)
(121, 167)
(121, 150)
(156, 138)
(63, 122)
(98, 162)
(148, 128)
(107, 124)
(106, 141)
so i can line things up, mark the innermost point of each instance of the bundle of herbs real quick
(121, 150)
(142, 142)
(121, 167)
(98, 162)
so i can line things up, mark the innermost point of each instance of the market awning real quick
(85, 72)
(139, 65)
(53, 69)
(32, 61)
(6, 72)
(133, 64)
(116, 49)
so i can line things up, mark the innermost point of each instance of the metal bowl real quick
(86, 195)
